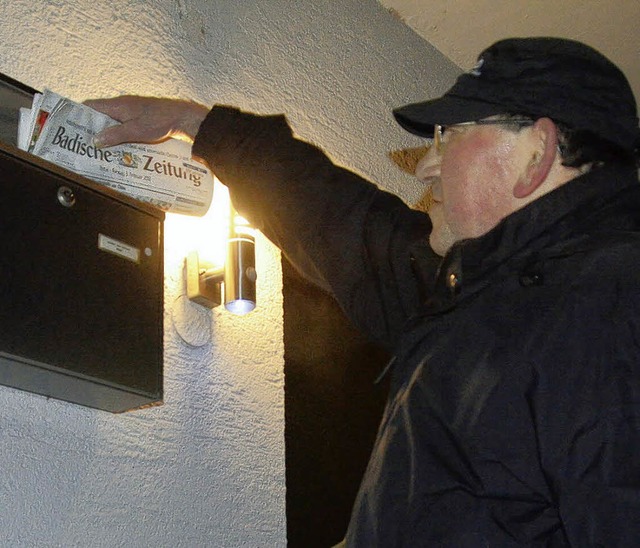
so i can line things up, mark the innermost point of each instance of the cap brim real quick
(420, 118)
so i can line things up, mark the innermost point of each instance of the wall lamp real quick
(233, 284)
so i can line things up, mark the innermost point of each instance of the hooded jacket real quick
(514, 412)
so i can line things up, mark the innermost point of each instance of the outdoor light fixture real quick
(235, 282)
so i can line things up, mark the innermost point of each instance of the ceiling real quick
(460, 29)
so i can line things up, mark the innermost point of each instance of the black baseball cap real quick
(564, 80)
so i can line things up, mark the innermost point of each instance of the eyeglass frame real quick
(438, 129)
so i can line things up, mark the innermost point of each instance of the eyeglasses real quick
(439, 131)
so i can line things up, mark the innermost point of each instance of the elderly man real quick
(512, 309)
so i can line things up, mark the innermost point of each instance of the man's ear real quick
(545, 135)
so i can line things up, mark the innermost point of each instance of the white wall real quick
(206, 468)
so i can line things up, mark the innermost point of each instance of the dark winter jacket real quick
(514, 413)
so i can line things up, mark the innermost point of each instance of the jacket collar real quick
(578, 204)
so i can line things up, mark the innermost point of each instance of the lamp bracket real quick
(204, 283)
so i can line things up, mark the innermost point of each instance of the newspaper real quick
(163, 174)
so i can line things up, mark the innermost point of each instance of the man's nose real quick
(428, 167)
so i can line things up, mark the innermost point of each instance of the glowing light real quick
(207, 234)
(240, 307)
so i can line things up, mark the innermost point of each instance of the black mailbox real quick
(81, 283)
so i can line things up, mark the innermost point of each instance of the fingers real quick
(121, 108)
(134, 131)
(136, 120)
(148, 119)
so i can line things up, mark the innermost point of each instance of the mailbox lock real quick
(66, 196)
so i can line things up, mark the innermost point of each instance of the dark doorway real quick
(332, 412)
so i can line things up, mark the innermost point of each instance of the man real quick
(514, 412)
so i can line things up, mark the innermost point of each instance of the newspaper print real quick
(163, 174)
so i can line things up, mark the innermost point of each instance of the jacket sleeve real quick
(342, 232)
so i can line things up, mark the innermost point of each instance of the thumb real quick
(133, 131)
(110, 136)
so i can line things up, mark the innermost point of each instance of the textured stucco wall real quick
(206, 468)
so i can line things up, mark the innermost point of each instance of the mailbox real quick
(81, 281)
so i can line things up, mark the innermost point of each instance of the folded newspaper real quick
(163, 174)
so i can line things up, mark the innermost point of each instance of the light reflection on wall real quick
(207, 235)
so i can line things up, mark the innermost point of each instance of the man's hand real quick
(148, 119)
